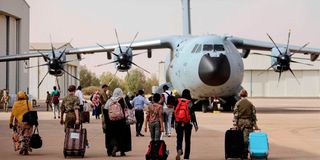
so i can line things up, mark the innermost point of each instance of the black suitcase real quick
(75, 142)
(85, 117)
(233, 144)
(157, 150)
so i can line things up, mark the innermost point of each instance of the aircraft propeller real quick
(284, 58)
(55, 63)
(123, 59)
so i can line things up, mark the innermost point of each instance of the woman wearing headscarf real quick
(185, 128)
(22, 131)
(117, 132)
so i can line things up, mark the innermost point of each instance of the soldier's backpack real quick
(115, 111)
(182, 111)
(170, 101)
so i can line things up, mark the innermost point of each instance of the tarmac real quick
(293, 127)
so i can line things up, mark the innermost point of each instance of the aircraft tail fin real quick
(186, 17)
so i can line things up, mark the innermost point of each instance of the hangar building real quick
(14, 39)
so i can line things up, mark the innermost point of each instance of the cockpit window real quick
(218, 47)
(195, 48)
(207, 47)
(199, 48)
(210, 47)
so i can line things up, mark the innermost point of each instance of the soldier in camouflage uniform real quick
(245, 119)
(70, 106)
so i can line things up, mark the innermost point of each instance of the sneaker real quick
(54, 117)
(179, 153)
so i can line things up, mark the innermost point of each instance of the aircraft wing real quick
(248, 44)
(19, 57)
(165, 42)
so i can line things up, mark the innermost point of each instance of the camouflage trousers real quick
(246, 126)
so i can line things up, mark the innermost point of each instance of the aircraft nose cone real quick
(214, 71)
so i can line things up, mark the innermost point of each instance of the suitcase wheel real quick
(64, 154)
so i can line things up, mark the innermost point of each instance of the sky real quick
(90, 22)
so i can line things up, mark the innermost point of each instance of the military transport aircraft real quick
(209, 65)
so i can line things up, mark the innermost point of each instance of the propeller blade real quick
(288, 40)
(118, 40)
(264, 54)
(43, 79)
(274, 43)
(281, 70)
(114, 75)
(36, 66)
(52, 49)
(106, 49)
(294, 75)
(64, 45)
(132, 41)
(268, 68)
(138, 53)
(140, 67)
(45, 57)
(99, 65)
(301, 63)
(305, 45)
(69, 74)
(62, 53)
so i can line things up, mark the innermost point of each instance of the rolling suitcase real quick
(75, 142)
(233, 144)
(85, 117)
(258, 145)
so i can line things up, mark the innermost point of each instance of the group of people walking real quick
(161, 116)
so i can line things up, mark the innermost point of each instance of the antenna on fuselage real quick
(186, 17)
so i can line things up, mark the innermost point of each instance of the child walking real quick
(154, 118)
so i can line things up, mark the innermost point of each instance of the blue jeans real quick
(186, 130)
(154, 128)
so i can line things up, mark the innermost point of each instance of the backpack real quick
(55, 99)
(182, 112)
(157, 150)
(170, 101)
(115, 111)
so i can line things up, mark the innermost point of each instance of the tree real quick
(152, 81)
(88, 78)
(112, 82)
(135, 80)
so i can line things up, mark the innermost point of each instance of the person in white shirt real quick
(80, 95)
(167, 109)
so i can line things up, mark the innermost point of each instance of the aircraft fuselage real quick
(207, 66)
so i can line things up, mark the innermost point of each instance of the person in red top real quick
(184, 123)
(154, 118)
